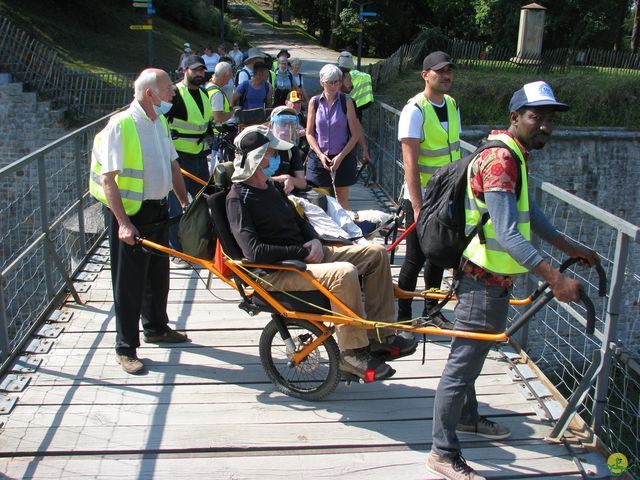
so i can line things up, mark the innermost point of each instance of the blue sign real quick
(368, 14)
(150, 11)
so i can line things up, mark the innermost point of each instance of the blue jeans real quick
(480, 308)
(197, 166)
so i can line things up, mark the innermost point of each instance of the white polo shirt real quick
(157, 152)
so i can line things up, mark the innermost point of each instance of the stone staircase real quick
(26, 123)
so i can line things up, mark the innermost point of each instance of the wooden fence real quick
(468, 54)
(40, 68)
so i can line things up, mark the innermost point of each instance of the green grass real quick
(267, 19)
(483, 93)
(96, 37)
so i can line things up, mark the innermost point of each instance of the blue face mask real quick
(274, 163)
(163, 108)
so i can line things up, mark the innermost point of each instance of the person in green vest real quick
(362, 88)
(429, 131)
(220, 104)
(133, 168)
(498, 184)
(189, 120)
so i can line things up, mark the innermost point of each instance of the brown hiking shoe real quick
(130, 363)
(168, 336)
(360, 363)
(485, 428)
(452, 468)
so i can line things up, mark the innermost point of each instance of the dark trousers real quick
(140, 280)
(198, 166)
(413, 261)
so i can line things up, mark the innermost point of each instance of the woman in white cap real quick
(186, 51)
(333, 131)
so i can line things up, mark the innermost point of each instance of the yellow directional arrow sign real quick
(140, 4)
(140, 27)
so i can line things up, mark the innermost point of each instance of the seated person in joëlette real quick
(286, 167)
(268, 229)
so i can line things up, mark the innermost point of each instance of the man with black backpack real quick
(429, 130)
(499, 250)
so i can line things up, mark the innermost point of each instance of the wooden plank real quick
(486, 385)
(504, 461)
(210, 433)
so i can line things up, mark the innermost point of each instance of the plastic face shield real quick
(285, 127)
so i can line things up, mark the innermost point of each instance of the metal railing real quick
(47, 230)
(555, 339)
(39, 66)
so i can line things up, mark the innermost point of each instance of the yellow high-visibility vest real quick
(490, 255)
(188, 134)
(362, 92)
(130, 180)
(438, 146)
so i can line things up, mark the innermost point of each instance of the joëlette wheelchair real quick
(296, 348)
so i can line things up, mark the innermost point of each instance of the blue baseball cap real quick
(536, 94)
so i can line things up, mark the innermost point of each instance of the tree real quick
(635, 34)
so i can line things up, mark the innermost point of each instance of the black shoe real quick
(360, 363)
(434, 320)
(168, 336)
(393, 347)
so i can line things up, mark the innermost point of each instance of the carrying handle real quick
(602, 279)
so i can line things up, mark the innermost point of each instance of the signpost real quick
(148, 26)
(361, 16)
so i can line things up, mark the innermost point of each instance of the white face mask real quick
(163, 108)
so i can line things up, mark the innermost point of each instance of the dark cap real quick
(195, 61)
(536, 94)
(436, 61)
(284, 52)
(261, 66)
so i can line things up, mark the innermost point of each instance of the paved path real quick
(264, 37)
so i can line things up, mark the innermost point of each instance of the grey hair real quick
(147, 79)
(222, 68)
(295, 61)
(329, 73)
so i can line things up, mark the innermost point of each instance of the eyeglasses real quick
(333, 82)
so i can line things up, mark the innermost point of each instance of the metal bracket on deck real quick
(39, 345)
(593, 465)
(59, 316)
(104, 251)
(99, 258)
(93, 267)
(85, 277)
(521, 372)
(81, 287)
(7, 402)
(14, 383)
(25, 364)
(49, 331)
(540, 389)
(552, 410)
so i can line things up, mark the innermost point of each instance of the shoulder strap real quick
(315, 101)
(343, 102)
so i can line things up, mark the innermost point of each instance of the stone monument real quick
(530, 34)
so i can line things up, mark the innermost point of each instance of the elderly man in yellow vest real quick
(189, 120)
(429, 130)
(133, 168)
(498, 186)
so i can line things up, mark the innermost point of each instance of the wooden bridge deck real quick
(207, 410)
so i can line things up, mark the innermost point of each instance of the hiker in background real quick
(295, 64)
(182, 63)
(253, 56)
(236, 55)
(283, 82)
(332, 132)
(254, 93)
(210, 61)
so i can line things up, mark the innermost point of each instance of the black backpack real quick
(441, 224)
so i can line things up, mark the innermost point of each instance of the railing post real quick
(77, 153)
(610, 330)
(4, 327)
(44, 223)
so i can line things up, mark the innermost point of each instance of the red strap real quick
(394, 351)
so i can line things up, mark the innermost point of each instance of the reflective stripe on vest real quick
(439, 146)
(187, 133)
(362, 92)
(491, 255)
(211, 89)
(130, 179)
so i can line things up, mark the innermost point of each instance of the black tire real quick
(313, 379)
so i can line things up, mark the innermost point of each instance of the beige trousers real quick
(339, 272)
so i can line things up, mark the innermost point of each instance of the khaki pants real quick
(339, 273)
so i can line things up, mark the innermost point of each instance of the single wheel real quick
(312, 379)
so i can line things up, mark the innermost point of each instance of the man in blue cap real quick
(498, 185)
